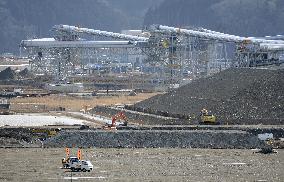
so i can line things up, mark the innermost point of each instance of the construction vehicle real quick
(206, 117)
(45, 133)
(76, 163)
(116, 121)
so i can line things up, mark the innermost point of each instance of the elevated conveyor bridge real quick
(177, 50)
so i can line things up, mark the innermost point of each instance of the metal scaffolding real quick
(179, 53)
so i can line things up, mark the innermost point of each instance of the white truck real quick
(75, 164)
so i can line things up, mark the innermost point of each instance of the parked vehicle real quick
(75, 164)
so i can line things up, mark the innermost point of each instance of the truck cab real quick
(86, 166)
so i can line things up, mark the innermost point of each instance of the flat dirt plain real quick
(72, 103)
(36, 164)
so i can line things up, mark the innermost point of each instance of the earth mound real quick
(235, 96)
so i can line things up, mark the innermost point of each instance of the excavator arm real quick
(119, 116)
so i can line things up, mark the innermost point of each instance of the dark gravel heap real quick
(23, 134)
(17, 137)
(25, 73)
(7, 74)
(235, 96)
(156, 138)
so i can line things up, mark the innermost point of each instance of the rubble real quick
(17, 138)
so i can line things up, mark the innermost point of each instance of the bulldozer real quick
(45, 132)
(206, 117)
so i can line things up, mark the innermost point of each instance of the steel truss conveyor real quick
(185, 50)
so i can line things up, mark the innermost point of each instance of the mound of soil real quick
(17, 137)
(235, 96)
(7, 74)
(22, 134)
(25, 73)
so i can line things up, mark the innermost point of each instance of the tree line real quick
(239, 17)
(24, 19)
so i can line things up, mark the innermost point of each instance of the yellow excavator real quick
(206, 117)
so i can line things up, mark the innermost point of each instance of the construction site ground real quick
(247, 104)
(36, 164)
(72, 103)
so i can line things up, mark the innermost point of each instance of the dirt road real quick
(144, 165)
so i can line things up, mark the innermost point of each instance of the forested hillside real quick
(240, 17)
(21, 19)
(135, 10)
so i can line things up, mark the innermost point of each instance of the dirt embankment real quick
(236, 96)
(156, 139)
(128, 138)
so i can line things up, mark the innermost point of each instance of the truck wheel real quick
(84, 170)
(89, 170)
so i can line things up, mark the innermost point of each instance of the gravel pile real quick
(235, 96)
(17, 137)
(156, 139)
(25, 73)
(16, 133)
(7, 74)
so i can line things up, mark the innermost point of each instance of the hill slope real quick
(240, 17)
(33, 18)
(243, 96)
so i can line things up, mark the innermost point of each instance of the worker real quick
(63, 160)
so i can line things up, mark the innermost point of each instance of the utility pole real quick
(172, 50)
